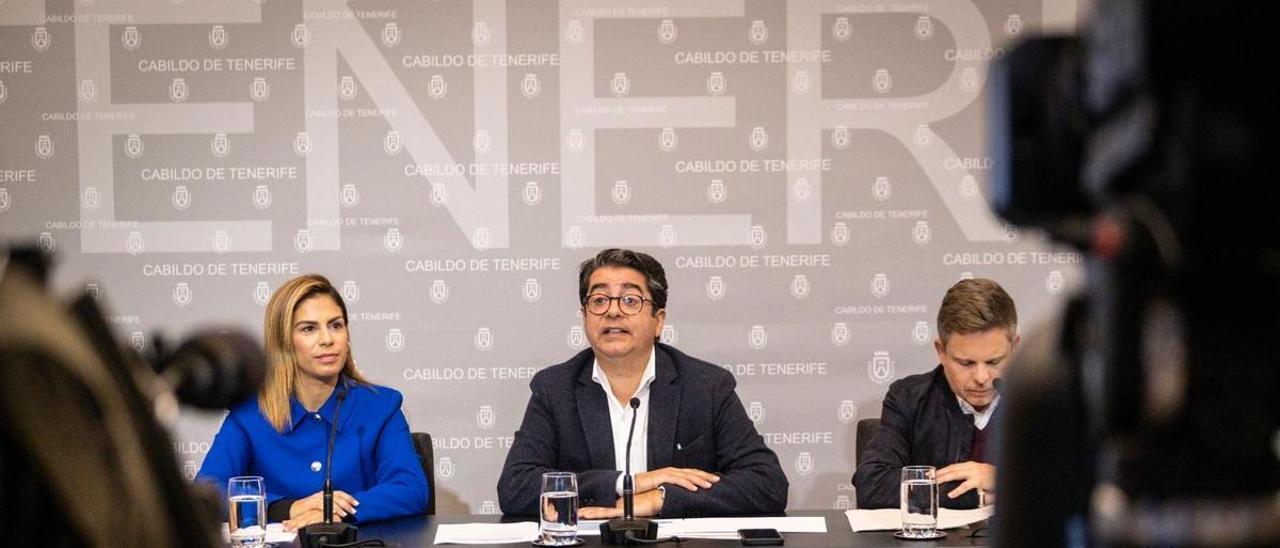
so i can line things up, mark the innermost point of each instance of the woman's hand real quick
(306, 518)
(310, 510)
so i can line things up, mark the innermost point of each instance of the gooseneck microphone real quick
(628, 482)
(328, 461)
(328, 533)
(628, 529)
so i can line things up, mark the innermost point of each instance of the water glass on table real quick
(558, 525)
(919, 502)
(247, 503)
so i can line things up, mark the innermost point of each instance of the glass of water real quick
(559, 503)
(919, 502)
(247, 503)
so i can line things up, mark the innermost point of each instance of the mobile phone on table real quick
(760, 537)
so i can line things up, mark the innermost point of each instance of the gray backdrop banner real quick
(811, 174)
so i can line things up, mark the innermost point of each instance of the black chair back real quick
(426, 456)
(867, 429)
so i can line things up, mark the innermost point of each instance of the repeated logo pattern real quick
(810, 196)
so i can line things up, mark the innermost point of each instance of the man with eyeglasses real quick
(695, 451)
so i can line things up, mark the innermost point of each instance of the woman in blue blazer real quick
(283, 435)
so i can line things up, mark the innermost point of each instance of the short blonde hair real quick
(975, 306)
(277, 336)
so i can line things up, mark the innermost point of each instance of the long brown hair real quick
(277, 335)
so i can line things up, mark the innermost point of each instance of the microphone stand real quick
(318, 535)
(628, 529)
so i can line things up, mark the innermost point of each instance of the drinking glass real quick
(558, 525)
(247, 503)
(919, 502)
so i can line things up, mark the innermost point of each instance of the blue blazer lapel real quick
(664, 409)
(593, 413)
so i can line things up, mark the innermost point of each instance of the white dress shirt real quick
(620, 419)
(980, 418)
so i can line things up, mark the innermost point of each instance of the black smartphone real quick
(760, 537)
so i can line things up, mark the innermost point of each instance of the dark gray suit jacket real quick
(695, 421)
(921, 424)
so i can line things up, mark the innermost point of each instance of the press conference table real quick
(421, 531)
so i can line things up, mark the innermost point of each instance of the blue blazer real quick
(695, 421)
(373, 455)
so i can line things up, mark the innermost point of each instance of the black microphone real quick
(328, 461)
(628, 529)
(327, 532)
(628, 482)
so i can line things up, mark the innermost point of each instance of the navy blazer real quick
(695, 421)
(921, 424)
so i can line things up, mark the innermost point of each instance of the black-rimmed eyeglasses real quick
(629, 304)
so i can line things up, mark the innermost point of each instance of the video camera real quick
(1150, 414)
(85, 459)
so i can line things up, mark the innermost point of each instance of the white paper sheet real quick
(275, 534)
(486, 533)
(589, 527)
(890, 519)
(727, 528)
